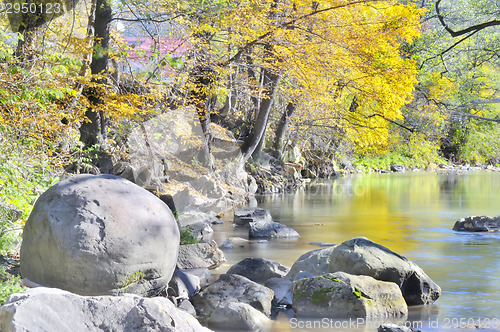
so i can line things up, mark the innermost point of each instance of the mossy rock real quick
(343, 295)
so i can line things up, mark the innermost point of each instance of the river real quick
(411, 214)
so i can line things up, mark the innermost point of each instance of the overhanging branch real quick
(471, 29)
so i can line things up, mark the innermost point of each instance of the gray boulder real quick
(209, 187)
(200, 255)
(238, 317)
(188, 199)
(282, 290)
(258, 269)
(261, 224)
(183, 285)
(198, 223)
(100, 235)
(315, 262)
(361, 256)
(233, 288)
(187, 306)
(343, 295)
(477, 224)
(50, 309)
(265, 228)
(303, 275)
(125, 170)
(203, 274)
(245, 216)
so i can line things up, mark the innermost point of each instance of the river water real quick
(411, 214)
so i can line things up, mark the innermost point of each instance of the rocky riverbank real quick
(92, 241)
(338, 281)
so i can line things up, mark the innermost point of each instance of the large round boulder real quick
(360, 256)
(100, 235)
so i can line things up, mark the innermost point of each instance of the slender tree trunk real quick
(269, 82)
(253, 145)
(282, 128)
(93, 133)
(203, 77)
(252, 78)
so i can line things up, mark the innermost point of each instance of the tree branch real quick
(284, 25)
(473, 28)
(411, 130)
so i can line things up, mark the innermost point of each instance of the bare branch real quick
(471, 29)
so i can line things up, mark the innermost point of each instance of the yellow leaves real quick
(118, 106)
(438, 86)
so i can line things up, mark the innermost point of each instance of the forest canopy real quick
(354, 85)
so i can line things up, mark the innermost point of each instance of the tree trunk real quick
(282, 128)
(93, 133)
(269, 81)
(253, 144)
(203, 77)
(30, 25)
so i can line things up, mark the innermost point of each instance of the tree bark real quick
(253, 143)
(203, 78)
(29, 26)
(282, 128)
(471, 29)
(93, 133)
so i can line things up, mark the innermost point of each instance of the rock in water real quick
(233, 288)
(200, 255)
(258, 269)
(51, 309)
(239, 317)
(344, 295)
(478, 224)
(248, 215)
(361, 256)
(100, 235)
(270, 229)
(261, 224)
(314, 262)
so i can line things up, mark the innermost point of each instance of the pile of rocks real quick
(109, 251)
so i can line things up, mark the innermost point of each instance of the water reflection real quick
(411, 214)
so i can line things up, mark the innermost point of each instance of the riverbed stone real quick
(238, 317)
(203, 274)
(52, 309)
(361, 256)
(245, 216)
(233, 288)
(200, 255)
(100, 235)
(258, 269)
(315, 262)
(477, 224)
(183, 285)
(264, 228)
(343, 295)
(282, 290)
(198, 223)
